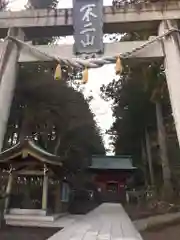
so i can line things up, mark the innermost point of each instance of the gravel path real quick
(167, 233)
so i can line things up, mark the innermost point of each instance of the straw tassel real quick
(58, 73)
(85, 76)
(118, 67)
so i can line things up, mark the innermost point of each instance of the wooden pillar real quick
(8, 191)
(45, 192)
(8, 71)
(171, 46)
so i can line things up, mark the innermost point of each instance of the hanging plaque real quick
(88, 26)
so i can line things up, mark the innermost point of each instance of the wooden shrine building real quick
(35, 183)
(110, 174)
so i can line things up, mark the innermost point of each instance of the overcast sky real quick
(18, 4)
(97, 77)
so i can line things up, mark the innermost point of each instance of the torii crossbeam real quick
(48, 23)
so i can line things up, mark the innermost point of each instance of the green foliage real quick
(133, 98)
(55, 115)
(138, 4)
(3, 4)
(131, 109)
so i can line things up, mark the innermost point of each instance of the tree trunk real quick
(167, 192)
(149, 157)
(143, 155)
(25, 130)
(57, 145)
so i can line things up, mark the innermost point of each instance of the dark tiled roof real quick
(112, 162)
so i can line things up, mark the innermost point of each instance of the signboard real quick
(88, 26)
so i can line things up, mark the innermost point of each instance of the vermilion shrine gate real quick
(19, 28)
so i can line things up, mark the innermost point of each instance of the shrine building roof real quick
(104, 162)
(29, 148)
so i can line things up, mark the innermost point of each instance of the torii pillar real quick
(171, 47)
(8, 74)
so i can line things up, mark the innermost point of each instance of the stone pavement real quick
(107, 222)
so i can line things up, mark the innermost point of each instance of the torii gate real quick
(39, 23)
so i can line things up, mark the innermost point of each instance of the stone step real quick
(31, 223)
(32, 220)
